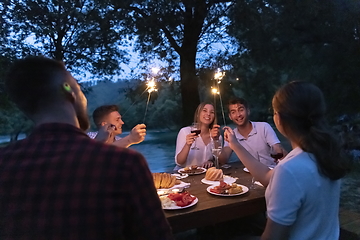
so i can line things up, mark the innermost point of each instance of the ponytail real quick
(301, 107)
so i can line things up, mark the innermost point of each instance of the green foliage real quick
(278, 41)
(13, 122)
(79, 32)
(283, 40)
(173, 29)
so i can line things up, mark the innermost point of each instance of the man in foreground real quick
(256, 137)
(109, 123)
(60, 184)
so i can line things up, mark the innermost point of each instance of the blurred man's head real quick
(108, 114)
(36, 84)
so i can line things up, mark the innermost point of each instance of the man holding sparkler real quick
(109, 123)
(258, 138)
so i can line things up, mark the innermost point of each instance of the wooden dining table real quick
(211, 209)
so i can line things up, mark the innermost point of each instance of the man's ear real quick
(230, 117)
(69, 93)
(248, 111)
(103, 123)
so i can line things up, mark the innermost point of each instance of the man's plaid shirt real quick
(60, 184)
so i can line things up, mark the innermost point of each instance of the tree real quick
(79, 32)
(307, 40)
(174, 29)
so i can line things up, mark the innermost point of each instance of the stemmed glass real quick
(276, 155)
(195, 128)
(252, 186)
(216, 146)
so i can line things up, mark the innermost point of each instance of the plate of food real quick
(192, 170)
(175, 201)
(226, 179)
(227, 190)
(167, 181)
(214, 176)
(180, 175)
(179, 185)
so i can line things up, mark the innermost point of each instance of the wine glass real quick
(195, 128)
(252, 186)
(276, 154)
(216, 146)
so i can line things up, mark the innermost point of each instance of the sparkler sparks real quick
(151, 87)
(218, 76)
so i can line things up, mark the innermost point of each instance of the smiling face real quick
(239, 114)
(207, 114)
(115, 119)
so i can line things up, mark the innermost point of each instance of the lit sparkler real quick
(151, 87)
(216, 90)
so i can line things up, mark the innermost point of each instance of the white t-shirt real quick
(298, 196)
(195, 157)
(259, 140)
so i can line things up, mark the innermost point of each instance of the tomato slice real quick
(182, 199)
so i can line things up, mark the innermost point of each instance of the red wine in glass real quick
(277, 156)
(198, 131)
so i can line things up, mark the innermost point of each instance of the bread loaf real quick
(214, 174)
(164, 180)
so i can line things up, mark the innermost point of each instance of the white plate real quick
(244, 188)
(247, 170)
(180, 176)
(177, 207)
(200, 172)
(227, 179)
(180, 185)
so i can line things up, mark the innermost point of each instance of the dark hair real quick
(199, 109)
(238, 100)
(301, 107)
(101, 112)
(33, 81)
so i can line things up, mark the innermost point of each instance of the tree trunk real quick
(193, 23)
(189, 86)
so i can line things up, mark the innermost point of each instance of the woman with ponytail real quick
(303, 191)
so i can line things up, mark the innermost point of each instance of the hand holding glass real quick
(195, 128)
(275, 154)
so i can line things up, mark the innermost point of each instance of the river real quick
(159, 150)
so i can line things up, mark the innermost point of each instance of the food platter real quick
(196, 171)
(180, 185)
(244, 188)
(178, 207)
(227, 179)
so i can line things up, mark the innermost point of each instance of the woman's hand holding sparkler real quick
(215, 132)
